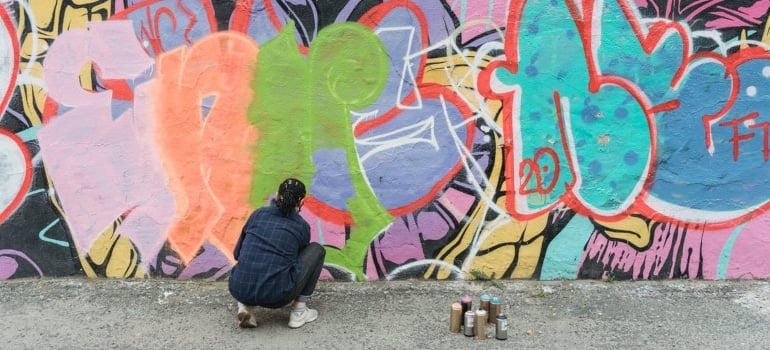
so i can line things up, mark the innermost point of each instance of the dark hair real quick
(290, 193)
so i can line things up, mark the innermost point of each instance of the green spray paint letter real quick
(302, 105)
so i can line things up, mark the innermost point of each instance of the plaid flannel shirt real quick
(267, 254)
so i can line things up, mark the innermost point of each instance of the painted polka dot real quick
(531, 71)
(766, 72)
(621, 113)
(535, 116)
(595, 167)
(590, 113)
(631, 158)
(533, 28)
(751, 91)
(646, 69)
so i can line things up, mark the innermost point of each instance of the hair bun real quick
(291, 191)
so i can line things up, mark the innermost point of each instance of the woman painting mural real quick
(276, 263)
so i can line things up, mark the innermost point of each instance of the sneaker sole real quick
(244, 319)
(297, 325)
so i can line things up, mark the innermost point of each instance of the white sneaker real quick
(246, 316)
(299, 317)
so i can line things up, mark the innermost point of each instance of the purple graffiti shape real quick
(9, 263)
(412, 139)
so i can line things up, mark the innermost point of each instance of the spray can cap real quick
(470, 313)
(485, 297)
(496, 300)
(465, 299)
(456, 306)
(481, 312)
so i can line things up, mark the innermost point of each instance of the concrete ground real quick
(79, 313)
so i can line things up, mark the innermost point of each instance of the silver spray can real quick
(501, 328)
(468, 329)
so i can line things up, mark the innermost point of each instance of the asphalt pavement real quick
(81, 313)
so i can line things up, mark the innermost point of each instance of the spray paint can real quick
(466, 304)
(481, 324)
(484, 304)
(494, 310)
(468, 329)
(455, 318)
(501, 327)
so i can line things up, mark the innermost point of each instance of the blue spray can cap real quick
(496, 300)
(485, 297)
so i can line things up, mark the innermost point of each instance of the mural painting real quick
(440, 139)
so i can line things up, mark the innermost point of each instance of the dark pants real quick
(312, 261)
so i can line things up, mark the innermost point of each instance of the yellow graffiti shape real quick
(40, 23)
(112, 256)
(511, 245)
(459, 72)
(632, 229)
(501, 247)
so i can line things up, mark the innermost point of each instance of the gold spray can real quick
(481, 324)
(455, 318)
(494, 310)
(484, 302)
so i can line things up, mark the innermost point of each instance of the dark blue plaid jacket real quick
(267, 254)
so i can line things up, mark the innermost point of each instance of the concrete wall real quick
(440, 139)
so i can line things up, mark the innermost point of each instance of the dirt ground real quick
(80, 313)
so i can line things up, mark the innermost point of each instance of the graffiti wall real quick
(440, 139)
